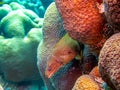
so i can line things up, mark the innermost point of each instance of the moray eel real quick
(64, 51)
(53, 31)
(82, 20)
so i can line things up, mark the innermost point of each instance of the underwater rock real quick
(82, 20)
(109, 62)
(112, 14)
(85, 82)
(16, 24)
(53, 31)
(19, 39)
(89, 62)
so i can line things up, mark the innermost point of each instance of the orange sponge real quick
(82, 20)
(85, 82)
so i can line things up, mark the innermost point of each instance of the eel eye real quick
(69, 52)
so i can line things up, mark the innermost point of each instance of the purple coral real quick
(109, 62)
(112, 13)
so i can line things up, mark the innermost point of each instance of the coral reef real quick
(53, 31)
(19, 38)
(89, 62)
(13, 19)
(112, 14)
(37, 6)
(85, 82)
(71, 48)
(4, 10)
(16, 6)
(109, 62)
(95, 72)
(82, 20)
(91, 81)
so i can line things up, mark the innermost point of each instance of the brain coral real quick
(112, 13)
(19, 38)
(13, 19)
(109, 62)
(82, 20)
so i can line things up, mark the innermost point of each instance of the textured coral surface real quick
(81, 19)
(109, 61)
(19, 38)
(85, 82)
(112, 12)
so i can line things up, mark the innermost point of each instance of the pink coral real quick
(109, 62)
(112, 13)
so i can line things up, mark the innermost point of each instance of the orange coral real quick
(96, 76)
(85, 82)
(82, 20)
(95, 72)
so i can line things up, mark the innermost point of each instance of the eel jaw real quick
(53, 65)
